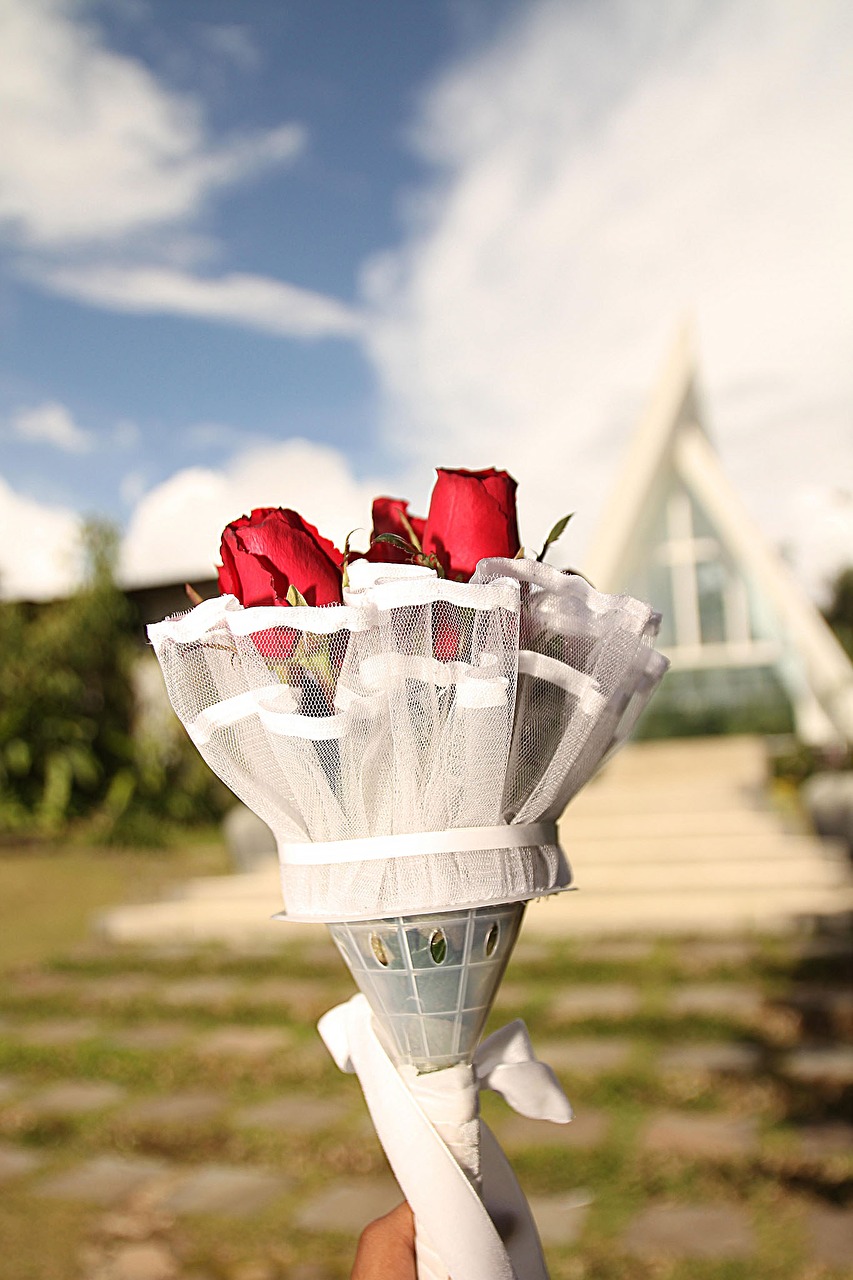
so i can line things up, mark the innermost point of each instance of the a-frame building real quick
(749, 649)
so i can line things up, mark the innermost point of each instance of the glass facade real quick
(721, 640)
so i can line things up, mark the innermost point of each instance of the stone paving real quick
(157, 1102)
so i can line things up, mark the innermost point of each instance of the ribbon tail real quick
(509, 1210)
(505, 1062)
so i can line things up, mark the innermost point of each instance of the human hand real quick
(386, 1248)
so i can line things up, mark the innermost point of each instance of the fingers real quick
(386, 1249)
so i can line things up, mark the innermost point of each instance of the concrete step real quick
(248, 884)
(600, 799)
(579, 824)
(648, 877)
(713, 912)
(673, 837)
(200, 919)
(711, 849)
(740, 761)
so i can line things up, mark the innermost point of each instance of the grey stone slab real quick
(515, 995)
(824, 1006)
(697, 1135)
(840, 948)
(174, 1110)
(16, 1162)
(717, 1000)
(58, 1031)
(117, 989)
(302, 998)
(250, 842)
(292, 1113)
(711, 1058)
(560, 1219)
(259, 1269)
(151, 1036)
(615, 951)
(830, 1065)
(823, 1141)
(145, 1260)
(602, 1000)
(347, 1207)
(703, 954)
(830, 1235)
(244, 1042)
(228, 1190)
(104, 1180)
(586, 1056)
(38, 985)
(9, 1086)
(204, 993)
(690, 1231)
(530, 951)
(589, 1128)
(75, 1097)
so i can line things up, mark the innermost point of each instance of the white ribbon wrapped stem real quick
(459, 1225)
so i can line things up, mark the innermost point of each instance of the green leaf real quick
(555, 533)
(396, 541)
(294, 596)
(348, 555)
(413, 537)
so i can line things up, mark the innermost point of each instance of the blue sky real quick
(298, 252)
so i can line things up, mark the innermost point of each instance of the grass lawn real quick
(48, 896)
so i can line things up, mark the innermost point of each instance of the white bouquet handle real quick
(450, 1099)
(459, 1238)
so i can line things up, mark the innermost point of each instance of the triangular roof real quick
(671, 460)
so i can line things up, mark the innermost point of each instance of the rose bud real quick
(391, 515)
(266, 553)
(471, 515)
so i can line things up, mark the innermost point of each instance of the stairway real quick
(671, 837)
(680, 836)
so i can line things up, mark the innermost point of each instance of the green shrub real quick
(72, 754)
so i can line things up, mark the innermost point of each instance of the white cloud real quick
(600, 170)
(175, 530)
(94, 147)
(51, 423)
(253, 302)
(39, 548)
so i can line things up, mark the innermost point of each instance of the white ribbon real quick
(412, 844)
(458, 1223)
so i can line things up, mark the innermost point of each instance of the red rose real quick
(391, 515)
(273, 549)
(471, 515)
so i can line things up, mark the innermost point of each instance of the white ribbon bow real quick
(458, 1222)
(506, 1064)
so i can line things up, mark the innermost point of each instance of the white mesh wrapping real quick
(420, 705)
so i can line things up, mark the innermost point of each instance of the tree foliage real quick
(70, 750)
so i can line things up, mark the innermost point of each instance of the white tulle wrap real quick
(419, 708)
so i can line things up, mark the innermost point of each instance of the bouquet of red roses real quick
(411, 723)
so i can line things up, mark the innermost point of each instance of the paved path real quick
(183, 1107)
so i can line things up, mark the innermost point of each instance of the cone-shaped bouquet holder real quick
(431, 979)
